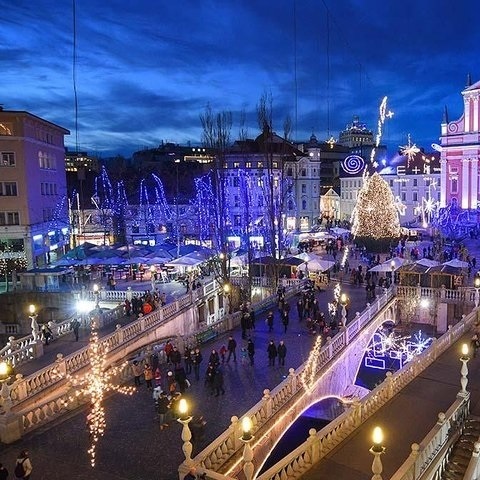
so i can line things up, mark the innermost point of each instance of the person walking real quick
(214, 358)
(187, 358)
(148, 374)
(231, 347)
(285, 320)
(251, 351)
(272, 353)
(23, 466)
(163, 405)
(282, 353)
(176, 357)
(76, 328)
(218, 382)
(196, 361)
(270, 321)
(137, 373)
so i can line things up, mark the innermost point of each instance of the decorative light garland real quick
(375, 214)
(95, 384)
(308, 374)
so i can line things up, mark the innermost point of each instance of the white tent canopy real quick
(386, 266)
(456, 263)
(316, 265)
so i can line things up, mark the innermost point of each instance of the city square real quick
(262, 284)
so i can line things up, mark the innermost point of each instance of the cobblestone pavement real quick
(133, 446)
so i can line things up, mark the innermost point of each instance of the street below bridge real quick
(133, 446)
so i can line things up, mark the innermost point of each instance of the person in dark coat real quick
(251, 351)
(231, 347)
(282, 353)
(210, 378)
(196, 361)
(272, 353)
(176, 357)
(285, 320)
(218, 382)
(181, 378)
(214, 358)
(270, 321)
(252, 318)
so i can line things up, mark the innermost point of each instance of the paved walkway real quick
(406, 419)
(133, 446)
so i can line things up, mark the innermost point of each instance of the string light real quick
(308, 376)
(389, 345)
(409, 150)
(375, 214)
(383, 114)
(95, 384)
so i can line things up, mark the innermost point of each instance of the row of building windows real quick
(47, 188)
(46, 161)
(8, 189)
(250, 165)
(9, 218)
(44, 136)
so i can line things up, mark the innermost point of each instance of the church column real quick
(466, 109)
(475, 114)
(465, 183)
(474, 182)
(443, 182)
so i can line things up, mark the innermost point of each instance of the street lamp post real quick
(464, 371)
(5, 373)
(33, 323)
(377, 450)
(476, 284)
(392, 266)
(343, 303)
(227, 288)
(246, 438)
(177, 161)
(185, 419)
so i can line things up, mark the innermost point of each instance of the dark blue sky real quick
(146, 69)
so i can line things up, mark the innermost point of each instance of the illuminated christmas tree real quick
(375, 222)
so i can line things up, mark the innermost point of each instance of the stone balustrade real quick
(320, 443)
(21, 402)
(226, 449)
(464, 294)
(429, 458)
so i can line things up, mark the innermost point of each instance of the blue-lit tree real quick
(216, 136)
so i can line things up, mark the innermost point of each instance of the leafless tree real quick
(216, 135)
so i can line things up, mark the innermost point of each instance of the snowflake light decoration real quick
(389, 345)
(95, 384)
(409, 150)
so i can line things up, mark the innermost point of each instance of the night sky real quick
(146, 69)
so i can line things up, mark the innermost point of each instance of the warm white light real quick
(83, 306)
(464, 350)
(392, 264)
(377, 436)
(4, 369)
(31, 309)
(226, 288)
(95, 287)
(183, 407)
(424, 303)
(343, 298)
(477, 282)
(246, 425)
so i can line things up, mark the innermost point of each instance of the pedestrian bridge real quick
(330, 370)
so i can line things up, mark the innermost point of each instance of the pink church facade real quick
(460, 154)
